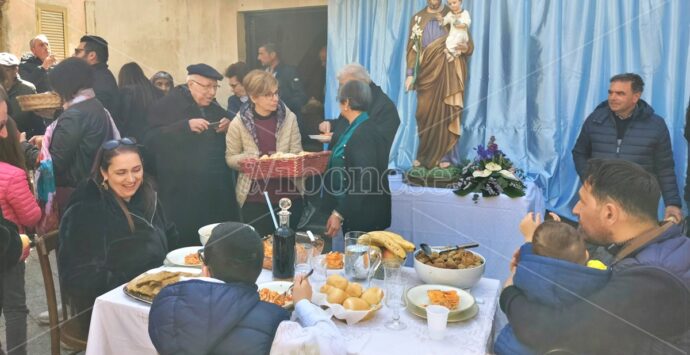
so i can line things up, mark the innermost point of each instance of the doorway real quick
(299, 34)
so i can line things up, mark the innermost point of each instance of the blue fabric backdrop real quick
(539, 68)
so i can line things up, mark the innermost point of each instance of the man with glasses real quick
(187, 139)
(94, 50)
(235, 74)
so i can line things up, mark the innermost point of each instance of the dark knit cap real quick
(234, 252)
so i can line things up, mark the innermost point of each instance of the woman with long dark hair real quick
(136, 95)
(113, 229)
(18, 207)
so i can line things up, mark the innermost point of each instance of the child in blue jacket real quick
(553, 269)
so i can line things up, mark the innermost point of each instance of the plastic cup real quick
(437, 319)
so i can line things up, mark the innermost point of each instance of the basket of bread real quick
(348, 300)
(285, 165)
(42, 101)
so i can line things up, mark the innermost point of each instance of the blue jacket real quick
(646, 142)
(201, 317)
(647, 301)
(551, 282)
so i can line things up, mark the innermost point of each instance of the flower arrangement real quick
(490, 174)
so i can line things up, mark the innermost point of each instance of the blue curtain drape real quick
(539, 68)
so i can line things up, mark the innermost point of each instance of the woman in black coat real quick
(113, 229)
(357, 193)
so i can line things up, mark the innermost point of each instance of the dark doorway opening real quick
(299, 34)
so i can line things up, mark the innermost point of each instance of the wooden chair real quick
(67, 331)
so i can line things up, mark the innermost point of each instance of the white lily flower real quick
(508, 175)
(492, 166)
(481, 173)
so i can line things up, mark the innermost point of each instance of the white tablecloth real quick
(440, 217)
(119, 325)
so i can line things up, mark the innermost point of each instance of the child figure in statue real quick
(459, 21)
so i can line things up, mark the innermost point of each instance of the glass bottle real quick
(284, 244)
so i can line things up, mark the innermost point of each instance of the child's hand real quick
(302, 289)
(555, 217)
(529, 224)
(439, 18)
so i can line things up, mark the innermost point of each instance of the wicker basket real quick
(300, 166)
(43, 101)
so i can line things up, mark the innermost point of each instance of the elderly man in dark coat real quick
(188, 142)
(382, 110)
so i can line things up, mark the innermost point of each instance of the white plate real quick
(176, 257)
(417, 296)
(205, 232)
(277, 286)
(323, 138)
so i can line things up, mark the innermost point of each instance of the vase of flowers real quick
(491, 173)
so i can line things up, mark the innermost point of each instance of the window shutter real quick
(52, 22)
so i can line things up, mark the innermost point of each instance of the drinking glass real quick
(395, 294)
(303, 256)
(320, 267)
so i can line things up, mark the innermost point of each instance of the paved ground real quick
(38, 341)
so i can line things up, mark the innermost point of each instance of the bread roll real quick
(356, 304)
(336, 295)
(354, 289)
(373, 295)
(337, 281)
(325, 288)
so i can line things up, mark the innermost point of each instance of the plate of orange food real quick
(461, 303)
(188, 256)
(334, 260)
(274, 292)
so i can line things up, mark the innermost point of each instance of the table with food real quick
(372, 316)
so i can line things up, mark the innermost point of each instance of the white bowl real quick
(205, 232)
(462, 278)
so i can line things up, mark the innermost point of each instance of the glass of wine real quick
(394, 285)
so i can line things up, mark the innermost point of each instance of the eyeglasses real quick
(201, 255)
(209, 87)
(112, 144)
(271, 95)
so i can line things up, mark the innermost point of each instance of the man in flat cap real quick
(187, 139)
(94, 50)
(27, 121)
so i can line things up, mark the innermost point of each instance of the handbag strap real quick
(643, 239)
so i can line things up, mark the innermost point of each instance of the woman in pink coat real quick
(19, 207)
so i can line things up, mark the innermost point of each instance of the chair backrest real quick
(45, 244)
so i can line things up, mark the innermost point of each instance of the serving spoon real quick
(429, 251)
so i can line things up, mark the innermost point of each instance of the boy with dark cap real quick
(222, 313)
